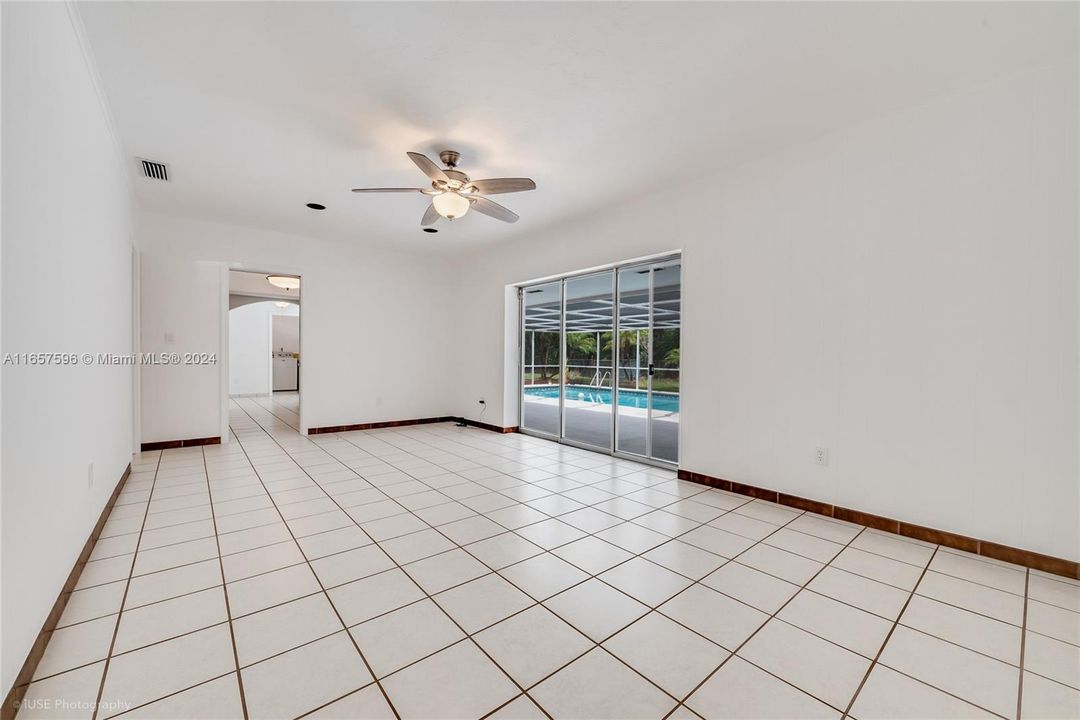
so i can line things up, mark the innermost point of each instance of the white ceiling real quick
(260, 108)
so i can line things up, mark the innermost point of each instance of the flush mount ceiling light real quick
(453, 193)
(282, 304)
(284, 282)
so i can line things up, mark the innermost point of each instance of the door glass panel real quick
(540, 361)
(634, 337)
(666, 336)
(588, 352)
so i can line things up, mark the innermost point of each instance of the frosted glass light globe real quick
(450, 205)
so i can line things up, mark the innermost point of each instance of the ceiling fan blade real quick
(430, 215)
(397, 190)
(493, 209)
(429, 168)
(494, 186)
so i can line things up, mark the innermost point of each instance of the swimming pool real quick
(663, 402)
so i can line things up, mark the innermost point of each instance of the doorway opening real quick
(264, 343)
(600, 359)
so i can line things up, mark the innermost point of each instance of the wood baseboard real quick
(488, 426)
(172, 444)
(29, 667)
(1038, 561)
(378, 425)
(405, 423)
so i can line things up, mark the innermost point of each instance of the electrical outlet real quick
(90, 476)
(821, 456)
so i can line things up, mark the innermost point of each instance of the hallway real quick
(422, 570)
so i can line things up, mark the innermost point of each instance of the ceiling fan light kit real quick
(450, 205)
(453, 193)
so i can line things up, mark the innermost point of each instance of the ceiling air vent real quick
(154, 170)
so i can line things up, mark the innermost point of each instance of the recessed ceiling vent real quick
(154, 170)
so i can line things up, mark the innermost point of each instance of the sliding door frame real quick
(612, 450)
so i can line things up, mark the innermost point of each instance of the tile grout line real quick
(345, 627)
(1023, 644)
(127, 586)
(888, 635)
(276, 415)
(451, 500)
(746, 501)
(457, 546)
(756, 541)
(798, 514)
(174, 692)
(878, 554)
(539, 603)
(827, 564)
(436, 447)
(599, 644)
(552, 551)
(225, 592)
(406, 511)
(751, 636)
(591, 576)
(427, 595)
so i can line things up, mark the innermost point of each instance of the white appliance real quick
(286, 371)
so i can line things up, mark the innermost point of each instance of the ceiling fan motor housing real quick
(458, 179)
(450, 158)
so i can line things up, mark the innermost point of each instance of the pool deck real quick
(590, 423)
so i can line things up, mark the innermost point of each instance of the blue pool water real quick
(663, 402)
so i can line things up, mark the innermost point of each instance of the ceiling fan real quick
(453, 193)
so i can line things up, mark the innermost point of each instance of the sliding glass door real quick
(632, 434)
(587, 329)
(665, 302)
(647, 413)
(541, 359)
(600, 360)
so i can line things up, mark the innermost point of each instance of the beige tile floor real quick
(440, 572)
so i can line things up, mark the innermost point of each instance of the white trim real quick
(223, 357)
(136, 345)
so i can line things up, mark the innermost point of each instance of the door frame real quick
(224, 376)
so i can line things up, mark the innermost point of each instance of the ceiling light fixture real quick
(284, 282)
(453, 193)
(450, 205)
(282, 304)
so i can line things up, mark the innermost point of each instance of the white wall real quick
(903, 293)
(67, 281)
(250, 345)
(180, 312)
(377, 322)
